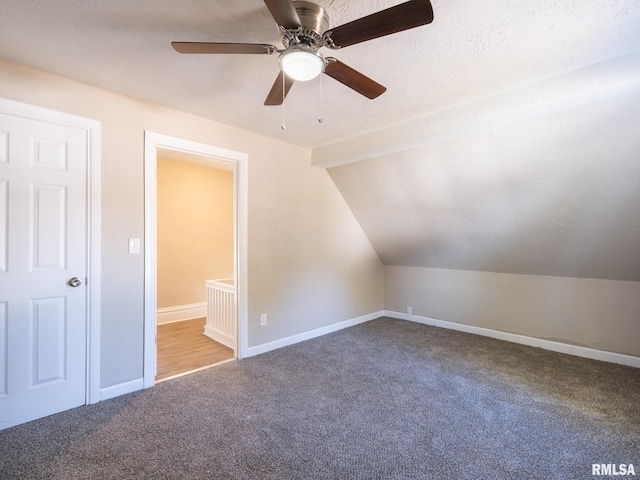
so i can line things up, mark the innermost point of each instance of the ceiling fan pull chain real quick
(321, 118)
(283, 126)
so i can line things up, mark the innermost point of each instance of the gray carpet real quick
(384, 400)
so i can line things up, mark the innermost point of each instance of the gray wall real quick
(540, 183)
(598, 314)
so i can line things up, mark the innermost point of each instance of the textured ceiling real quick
(508, 139)
(472, 50)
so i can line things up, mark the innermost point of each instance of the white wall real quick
(310, 264)
(598, 314)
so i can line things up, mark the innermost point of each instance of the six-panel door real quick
(43, 246)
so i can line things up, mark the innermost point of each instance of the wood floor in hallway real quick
(183, 347)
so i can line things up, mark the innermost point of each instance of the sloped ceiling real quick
(508, 139)
(519, 183)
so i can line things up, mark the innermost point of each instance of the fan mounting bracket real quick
(328, 42)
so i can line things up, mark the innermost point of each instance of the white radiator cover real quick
(221, 323)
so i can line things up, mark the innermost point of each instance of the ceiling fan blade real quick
(277, 95)
(213, 47)
(385, 22)
(284, 13)
(353, 79)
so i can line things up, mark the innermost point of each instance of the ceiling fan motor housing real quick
(314, 22)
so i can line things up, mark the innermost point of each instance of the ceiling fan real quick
(305, 29)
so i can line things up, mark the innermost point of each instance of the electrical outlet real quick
(263, 319)
(409, 311)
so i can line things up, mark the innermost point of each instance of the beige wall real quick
(195, 230)
(598, 314)
(310, 264)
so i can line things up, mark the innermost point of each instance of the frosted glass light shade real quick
(301, 64)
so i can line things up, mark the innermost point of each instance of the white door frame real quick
(93, 233)
(153, 141)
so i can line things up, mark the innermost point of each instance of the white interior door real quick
(43, 267)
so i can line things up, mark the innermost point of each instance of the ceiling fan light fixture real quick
(301, 63)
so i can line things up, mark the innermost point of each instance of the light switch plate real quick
(134, 246)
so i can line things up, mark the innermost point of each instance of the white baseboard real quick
(121, 389)
(220, 337)
(584, 352)
(629, 360)
(180, 313)
(318, 332)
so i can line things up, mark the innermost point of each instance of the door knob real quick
(74, 282)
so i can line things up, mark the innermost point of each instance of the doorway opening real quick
(195, 248)
(195, 235)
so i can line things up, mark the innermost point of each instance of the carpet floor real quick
(387, 399)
